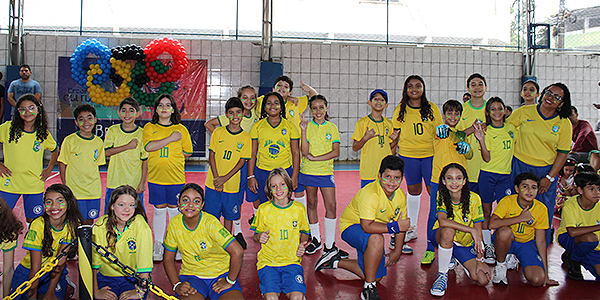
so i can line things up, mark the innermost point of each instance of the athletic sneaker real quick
(439, 285)
(428, 257)
(370, 293)
(500, 274)
(157, 255)
(240, 239)
(512, 262)
(343, 254)
(71, 288)
(453, 263)
(406, 249)
(490, 254)
(411, 234)
(393, 242)
(573, 267)
(313, 247)
(329, 260)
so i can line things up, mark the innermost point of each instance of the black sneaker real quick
(329, 260)
(370, 293)
(573, 267)
(240, 239)
(313, 247)
(251, 220)
(343, 254)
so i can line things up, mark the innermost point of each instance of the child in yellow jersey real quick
(124, 232)
(10, 229)
(377, 209)
(47, 237)
(452, 148)
(123, 144)
(520, 221)
(24, 140)
(580, 228)
(168, 143)
(374, 134)
(212, 259)
(530, 92)
(281, 227)
(457, 231)
(230, 148)
(496, 145)
(82, 154)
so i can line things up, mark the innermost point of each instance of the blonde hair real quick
(288, 181)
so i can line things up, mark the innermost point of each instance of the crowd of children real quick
(262, 150)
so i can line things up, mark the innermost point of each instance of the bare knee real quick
(588, 238)
(415, 189)
(446, 237)
(504, 234)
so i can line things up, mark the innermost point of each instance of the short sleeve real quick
(96, 258)
(4, 132)
(49, 143)
(395, 122)
(186, 141)
(101, 157)
(335, 136)
(359, 131)
(515, 117)
(65, 152)
(304, 228)
(367, 206)
(501, 208)
(220, 234)
(170, 242)
(254, 132)
(109, 139)
(476, 209)
(568, 214)
(295, 132)
(541, 217)
(437, 116)
(564, 137)
(246, 152)
(302, 104)
(223, 120)
(11, 88)
(257, 224)
(213, 138)
(35, 235)
(147, 136)
(37, 88)
(144, 241)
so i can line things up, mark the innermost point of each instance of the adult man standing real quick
(25, 85)
(584, 138)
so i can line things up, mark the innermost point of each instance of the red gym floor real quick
(407, 280)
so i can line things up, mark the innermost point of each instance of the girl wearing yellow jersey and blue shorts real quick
(168, 143)
(417, 119)
(496, 146)
(544, 141)
(48, 235)
(280, 226)
(24, 140)
(10, 228)
(124, 232)
(212, 259)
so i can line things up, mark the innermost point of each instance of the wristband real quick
(251, 176)
(479, 260)
(393, 227)
(232, 282)
(550, 177)
(175, 286)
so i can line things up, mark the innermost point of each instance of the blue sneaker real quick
(439, 285)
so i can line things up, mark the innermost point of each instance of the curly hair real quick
(40, 124)
(10, 226)
(263, 112)
(444, 197)
(425, 110)
(73, 217)
(111, 221)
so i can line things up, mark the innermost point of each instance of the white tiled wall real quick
(345, 74)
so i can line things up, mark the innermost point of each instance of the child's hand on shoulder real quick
(185, 289)
(264, 237)
(175, 136)
(302, 248)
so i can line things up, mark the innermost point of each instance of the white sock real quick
(237, 226)
(27, 229)
(159, 224)
(487, 236)
(330, 225)
(413, 202)
(367, 284)
(315, 231)
(301, 199)
(255, 210)
(173, 211)
(444, 258)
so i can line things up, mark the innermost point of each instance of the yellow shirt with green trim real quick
(274, 143)
(25, 159)
(293, 112)
(445, 153)
(228, 148)
(167, 164)
(133, 247)
(573, 215)
(124, 167)
(246, 124)
(469, 115)
(8, 246)
(500, 142)
(35, 236)
(539, 137)
(416, 134)
(320, 138)
(510, 207)
(82, 157)
(285, 224)
(375, 149)
(371, 203)
(202, 248)
(475, 216)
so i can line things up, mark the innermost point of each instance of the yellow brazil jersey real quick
(82, 157)
(228, 148)
(167, 165)
(202, 248)
(274, 148)
(371, 203)
(35, 236)
(374, 149)
(293, 112)
(284, 225)
(545, 136)
(246, 123)
(445, 153)
(500, 142)
(469, 115)
(475, 216)
(510, 207)
(320, 139)
(124, 167)
(8, 246)
(133, 247)
(25, 159)
(416, 134)
(573, 215)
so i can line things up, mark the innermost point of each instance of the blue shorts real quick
(462, 253)
(324, 181)
(32, 203)
(592, 259)
(89, 208)
(358, 239)
(527, 253)
(417, 169)
(474, 187)
(284, 279)
(244, 190)
(163, 193)
(107, 199)
(364, 182)
(497, 186)
(261, 178)
(204, 285)
(22, 274)
(118, 284)
(222, 204)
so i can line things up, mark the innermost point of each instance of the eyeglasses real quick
(556, 97)
(30, 108)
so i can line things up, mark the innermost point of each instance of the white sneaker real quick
(439, 285)
(512, 262)
(500, 274)
(411, 234)
(157, 255)
(453, 263)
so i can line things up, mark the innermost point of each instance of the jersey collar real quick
(313, 121)
(193, 229)
(87, 139)
(234, 133)
(132, 131)
(537, 108)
